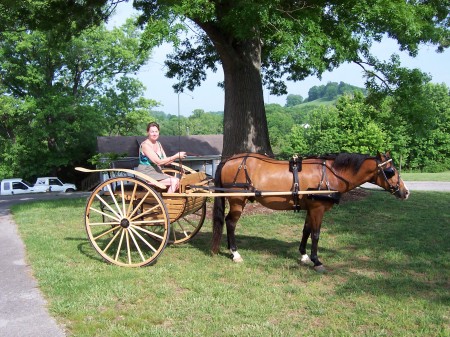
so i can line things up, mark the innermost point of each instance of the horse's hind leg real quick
(304, 259)
(236, 208)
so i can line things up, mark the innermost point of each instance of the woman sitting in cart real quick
(152, 157)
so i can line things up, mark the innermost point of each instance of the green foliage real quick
(64, 18)
(293, 100)
(201, 123)
(104, 160)
(429, 127)
(331, 91)
(414, 125)
(280, 124)
(56, 105)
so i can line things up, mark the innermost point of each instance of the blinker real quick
(389, 172)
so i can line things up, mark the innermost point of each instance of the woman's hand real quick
(181, 155)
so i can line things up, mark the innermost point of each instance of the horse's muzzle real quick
(402, 192)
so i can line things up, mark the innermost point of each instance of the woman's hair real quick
(152, 124)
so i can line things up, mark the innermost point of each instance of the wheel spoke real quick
(153, 234)
(139, 204)
(113, 196)
(130, 232)
(120, 245)
(128, 246)
(103, 213)
(107, 205)
(186, 227)
(105, 233)
(145, 213)
(123, 197)
(112, 240)
(133, 195)
(133, 230)
(182, 229)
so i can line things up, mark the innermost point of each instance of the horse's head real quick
(388, 177)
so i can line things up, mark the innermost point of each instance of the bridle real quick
(388, 173)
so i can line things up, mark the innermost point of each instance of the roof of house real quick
(201, 145)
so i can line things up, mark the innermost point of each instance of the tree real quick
(426, 122)
(202, 123)
(293, 100)
(64, 18)
(59, 97)
(258, 42)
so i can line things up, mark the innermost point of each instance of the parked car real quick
(55, 184)
(20, 186)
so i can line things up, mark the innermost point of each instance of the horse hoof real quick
(320, 269)
(236, 257)
(305, 260)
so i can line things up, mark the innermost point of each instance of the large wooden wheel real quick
(187, 226)
(127, 222)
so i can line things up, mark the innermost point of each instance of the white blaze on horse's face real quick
(406, 190)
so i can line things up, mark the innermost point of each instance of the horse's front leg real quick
(236, 208)
(313, 221)
(316, 216)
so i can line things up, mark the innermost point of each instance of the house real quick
(203, 151)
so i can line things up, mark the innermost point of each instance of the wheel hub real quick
(124, 223)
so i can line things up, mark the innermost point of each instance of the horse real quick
(335, 172)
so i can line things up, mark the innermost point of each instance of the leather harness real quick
(295, 166)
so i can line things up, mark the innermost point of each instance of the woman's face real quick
(153, 133)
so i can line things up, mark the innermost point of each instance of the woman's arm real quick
(148, 151)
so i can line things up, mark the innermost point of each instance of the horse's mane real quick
(344, 160)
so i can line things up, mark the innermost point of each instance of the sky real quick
(209, 97)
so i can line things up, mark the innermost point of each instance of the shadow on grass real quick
(378, 246)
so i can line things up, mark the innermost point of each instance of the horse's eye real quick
(389, 172)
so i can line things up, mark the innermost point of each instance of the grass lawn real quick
(441, 176)
(388, 274)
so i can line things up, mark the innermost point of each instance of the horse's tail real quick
(218, 213)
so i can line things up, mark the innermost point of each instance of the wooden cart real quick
(129, 219)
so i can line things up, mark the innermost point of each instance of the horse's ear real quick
(388, 154)
(379, 155)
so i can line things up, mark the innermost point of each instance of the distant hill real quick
(331, 91)
(323, 93)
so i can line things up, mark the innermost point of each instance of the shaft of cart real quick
(244, 194)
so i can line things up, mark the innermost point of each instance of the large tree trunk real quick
(245, 124)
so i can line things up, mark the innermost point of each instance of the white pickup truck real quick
(20, 186)
(55, 184)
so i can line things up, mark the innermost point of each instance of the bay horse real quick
(256, 172)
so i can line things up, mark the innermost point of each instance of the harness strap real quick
(324, 176)
(294, 167)
(248, 182)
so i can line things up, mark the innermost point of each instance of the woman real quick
(152, 157)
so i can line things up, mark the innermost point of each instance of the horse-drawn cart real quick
(129, 218)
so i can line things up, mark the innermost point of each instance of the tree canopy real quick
(56, 98)
(64, 18)
(265, 42)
